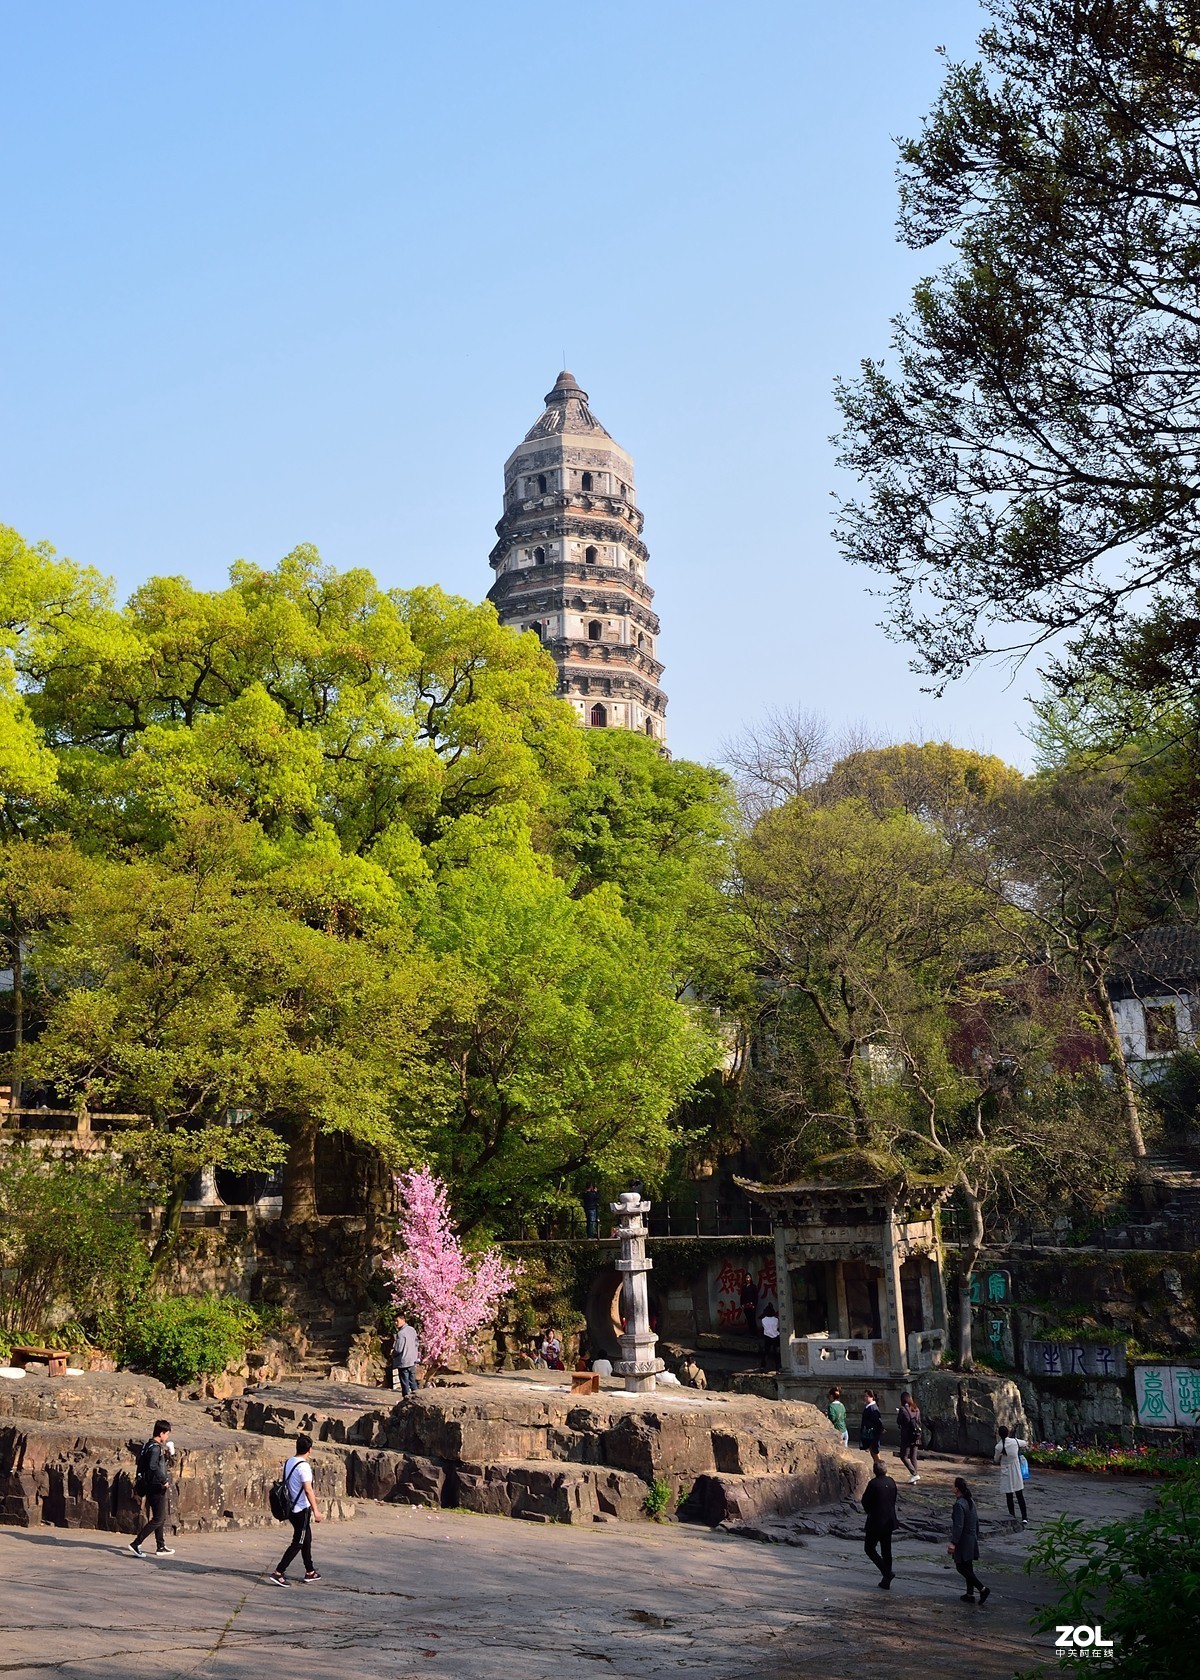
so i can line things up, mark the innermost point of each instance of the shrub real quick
(180, 1339)
(1139, 1576)
(658, 1500)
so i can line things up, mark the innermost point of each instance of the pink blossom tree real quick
(450, 1293)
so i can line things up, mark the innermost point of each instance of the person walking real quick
(591, 1209)
(1008, 1456)
(964, 1542)
(837, 1415)
(154, 1484)
(908, 1421)
(879, 1502)
(298, 1484)
(405, 1357)
(870, 1429)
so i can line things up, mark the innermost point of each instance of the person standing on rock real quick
(837, 1415)
(406, 1356)
(154, 1485)
(964, 1542)
(870, 1429)
(298, 1485)
(879, 1502)
(1008, 1456)
(908, 1421)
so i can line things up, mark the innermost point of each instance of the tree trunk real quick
(169, 1229)
(1128, 1092)
(968, 1260)
(300, 1173)
(18, 974)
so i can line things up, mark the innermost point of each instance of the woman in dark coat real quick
(964, 1542)
(908, 1421)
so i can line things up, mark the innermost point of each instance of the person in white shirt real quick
(770, 1330)
(298, 1481)
(1008, 1456)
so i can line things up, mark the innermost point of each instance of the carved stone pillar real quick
(638, 1363)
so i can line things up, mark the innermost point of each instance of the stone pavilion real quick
(864, 1265)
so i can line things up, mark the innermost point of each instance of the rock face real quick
(962, 1414)
(68, 1454)
(509, 1449)
(496, 1446)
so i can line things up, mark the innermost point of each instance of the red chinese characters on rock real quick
(745, 1289)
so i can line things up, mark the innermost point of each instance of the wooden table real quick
(54, 1360)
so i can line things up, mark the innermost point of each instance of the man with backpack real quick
(302, 1510)
(153, 1484)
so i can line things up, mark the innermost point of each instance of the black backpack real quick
(279, 1499)
(141, 1480)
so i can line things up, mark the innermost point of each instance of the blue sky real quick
(295, 272)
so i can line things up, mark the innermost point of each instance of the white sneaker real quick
(165, 1551)
(913, 1480)
(135, 1549)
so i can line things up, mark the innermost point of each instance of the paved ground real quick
(408, 1592)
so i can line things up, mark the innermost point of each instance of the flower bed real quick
(1111, 1459)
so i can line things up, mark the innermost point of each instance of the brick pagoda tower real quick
(570, 565)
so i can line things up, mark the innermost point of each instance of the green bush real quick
(1139, 1577)
(657, 1502)
(180, 1339)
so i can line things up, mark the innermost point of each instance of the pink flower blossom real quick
(452, 1295)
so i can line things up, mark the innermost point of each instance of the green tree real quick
(181, 988)
(907, 1028)
(565, 1044)
(1030, 460)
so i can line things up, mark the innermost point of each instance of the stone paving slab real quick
(408, 1592)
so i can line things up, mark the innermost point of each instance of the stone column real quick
(841, 1305)
(787, 1317)
(893, 1329)
(638, 1363)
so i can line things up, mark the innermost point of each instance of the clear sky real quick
(278, 272)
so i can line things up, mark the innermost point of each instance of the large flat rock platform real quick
(496, 1445)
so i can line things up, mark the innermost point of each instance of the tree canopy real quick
(1030, 460)
(319, 855)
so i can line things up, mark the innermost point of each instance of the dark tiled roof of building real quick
(1156, 958)
(566, 411)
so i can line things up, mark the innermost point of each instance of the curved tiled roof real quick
(566, 411)
(1156, 956)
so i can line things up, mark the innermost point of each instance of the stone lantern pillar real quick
(638, 1363)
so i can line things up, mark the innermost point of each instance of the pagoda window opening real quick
(650, 727)
(539, 556)
(586, 481)
(589, 554)
(595, 630)
(541, 484)
(599, 716)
